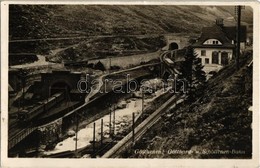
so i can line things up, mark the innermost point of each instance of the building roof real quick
(224, 34)
(231, 33)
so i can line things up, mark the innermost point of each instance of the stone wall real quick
(51, 132)
(127, 61)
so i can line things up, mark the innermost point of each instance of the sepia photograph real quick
(93, 81)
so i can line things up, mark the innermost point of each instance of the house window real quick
(203, 53)
(214, 57)
(215, 42)
(206, 61)
(200, 60)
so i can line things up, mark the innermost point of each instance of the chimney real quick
(220, 22)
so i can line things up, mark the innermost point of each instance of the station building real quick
(216, 45)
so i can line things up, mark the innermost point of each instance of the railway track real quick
(14, 129)
(140, 130)
(19, 135)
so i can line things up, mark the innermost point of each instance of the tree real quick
(192, 72)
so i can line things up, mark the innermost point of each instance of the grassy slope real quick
(44, 21)
(110, 46)
(219, 120)
(40, 21)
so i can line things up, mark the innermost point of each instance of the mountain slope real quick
(40, 21)
(216, 125)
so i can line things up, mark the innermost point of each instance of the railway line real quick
(21, 128)
(94, 90)
(108, 145)
(14, 129)
(170, 58)
(141, 129)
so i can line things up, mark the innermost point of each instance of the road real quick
(90, 36)
(41, 62)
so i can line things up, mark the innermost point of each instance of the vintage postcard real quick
(129, 84)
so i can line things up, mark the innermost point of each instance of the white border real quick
(43, 162)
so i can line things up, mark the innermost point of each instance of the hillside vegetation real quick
(42, 21)
(216, 125)
(110, 47)
(106, 30)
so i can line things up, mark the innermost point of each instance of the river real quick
(123, 119)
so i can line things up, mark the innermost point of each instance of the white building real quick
(216, 45)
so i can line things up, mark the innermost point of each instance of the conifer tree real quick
(192, 72)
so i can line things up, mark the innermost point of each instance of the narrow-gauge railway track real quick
(140, 130)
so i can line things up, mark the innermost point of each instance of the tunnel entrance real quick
(59, 87)
(173, 46)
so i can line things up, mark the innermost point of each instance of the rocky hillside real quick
(106, 30)
(109, 47)
(42, 21)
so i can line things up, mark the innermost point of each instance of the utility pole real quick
(133, 127)
(161, 69)
(110, 120)
(114, 120)
(110, 63)
(94, 137)
(48, 90)
(238, 30)
(101, 138)
(76, 132)
(142, 92)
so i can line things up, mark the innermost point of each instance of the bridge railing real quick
(169, 58)
(176, 55)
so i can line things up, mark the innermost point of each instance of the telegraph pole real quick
(110, 63)
(110, 124)
(94, 138)
(114, 120)
(76, 132)
(142, 101)
(101, 139)
(133, 127)
(238, 31)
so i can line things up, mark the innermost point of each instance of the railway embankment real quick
(217, 125)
